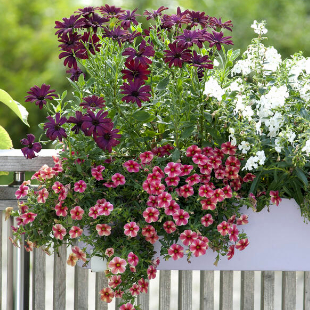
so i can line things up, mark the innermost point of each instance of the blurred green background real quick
(29, 52)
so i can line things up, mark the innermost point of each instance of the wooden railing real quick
(27, 283)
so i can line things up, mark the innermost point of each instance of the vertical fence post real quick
(267, 291)
(10, 289)
(185, 289)
(164, 289)
(1, 296)
(226, 290)
(247, 290)
(206, 290)
(38, 279)
(288, 290)
(101, 282)
(80, 288)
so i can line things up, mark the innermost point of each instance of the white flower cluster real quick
(253, 161)
(272, 59)
(213, 89)
(259, 28)
(306, 148)
(283, 138)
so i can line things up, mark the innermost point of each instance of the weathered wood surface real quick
(80, 288)
(185, 289)
(38, 279)
(247, 290)
(164, 289)
(267, 290)
(206, 290)
(226, 290)
(14, 160)
(288, 290)
(101, 282)
(306, 291)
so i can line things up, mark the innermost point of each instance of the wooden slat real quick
(8, 192)
(185, 290)
(144, 300)
(306, 290)
(101, 282)
(59, 284)
(38, 279)
(14, 160)
(267, 290)
(117, 303)
(206, 290)
(247, 290)
(226, 290)
(288, 290)
(164, 289)
(80, 288)
(7, 203)
(10, 266)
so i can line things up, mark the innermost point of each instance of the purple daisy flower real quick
(142, 54)
(135, 70)
(155, 13)
(128, 18)
(136, 92)
(117, 34)
(111, 11)
(108, 140)
(70, 41)
(86, 11)
(218, 24)
(77, 120)
(75, 73)
(93, 102)
(91, 41)
(31, 148)
(177, 54)
(198, 18)
(54, 129)
(200, 61)
(68, 24)
(216, 38)
(39, 95)
(95, 21)
(70, 57)
(96, 125)
(189, 37)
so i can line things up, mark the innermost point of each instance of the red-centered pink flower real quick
(146, 157)
(106, 294)
(227, 191)
(176, 251)
(94, 212)
(172, 208)
(114, 281)
(72, 259)
(208, 151)
(231, 173)
(77, 213)
(233, 162)
(249, 177)
(207, 220)
(119, 294)
(274, 197)
(103, 229)
(158, 170)
(198, 247)
(208, 204)
(152, 201)
(188, 236)
(173, 169)
(57, 187)
(151, 215)
(218, 153)
(243, 219)
(148, 231)
(206, 168)
(154, 177)
(186, 191)
(193, 179)
(59, 231)
(118, 179)
(22, 191)
(205, 179)
(151, 272)
(42, 195)
(143, 285)
(28, 246)
(164, 200)
(131, 229)
(172, 181)
(62, 195)
(242, 244)
(156, 188)
(152, 239)
(181, 217)
(117, 265)
(80, 186)
(193, 150)
(46, 172)
(28, 217)
(132, 166)
(105, 208)
(200, 159)
(219, 173)
(127, 306)
(205, 191)
(228, 149)
(75, 232)
(133, 259)
(135, 290)
(61, 210)
(109, 252)
(215, 161)
(169, 227)
(186, 170)
(96, 172)
(233, 233)
(20, 221)
(218, 196)
(79, 253)
(231, 252)
(23, 208)
(223, 228)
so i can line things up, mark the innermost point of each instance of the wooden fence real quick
(26, 287)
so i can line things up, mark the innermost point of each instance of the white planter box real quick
(279, 240)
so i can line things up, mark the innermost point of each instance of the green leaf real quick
(5, 140)
(255, 183)
(301, 176)
(15, 106)
(163, 83)
(141, 116)
(229, 64)
(234, 54)
(176, 155)
(187, 132)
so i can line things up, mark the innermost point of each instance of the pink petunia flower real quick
(77, 213)
(274, 197)
(173, 169)
(231, 252)
(80, 186)
(118, 179)
(176, 251)
(148, 231)
(94, 212)
(193, 179)
(164, 200)
(143, 285)
(242, 244)
(188, 236)
(72, 259)
(119, 294)
(172, 181)
(135, 290)
(231, 173)
(146, 157)
(152, 239)
(133, 259)
(228, 149)
(109, 252)
(172, 208)
(96, 172)
(151, 215)
(154, 177)
(208, 151)
(132, 166)
(127, 306)
(206, 168)
(59, 231)
(156, 188)
(114, 281)
(233, 233)
(198, 247)
(181, 217)
(215, 161)
(223, 228)
(200, 159)
(105, 209)
(57, 187)
(151, 272)
(207, 220)
(218, 196)
(152, 201)
(75, 232)
(186, 170)
(117, 265)
(192, 150)
(131, 229)
(22, 191)
(243, 219)
(103, 229)
(227, 191)
(42, 195)
(186, 191)
(169, 227)
(61, 210)
(79, 253)
(205, 191)
(106, 294)
(27, 218)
